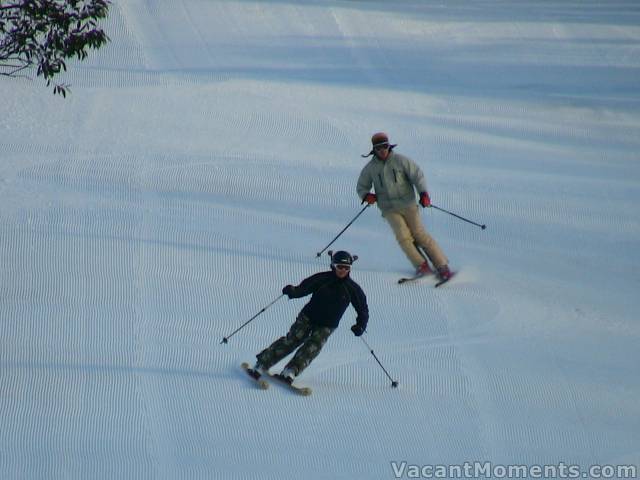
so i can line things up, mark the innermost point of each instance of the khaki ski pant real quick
(302, 334)
(410, 234)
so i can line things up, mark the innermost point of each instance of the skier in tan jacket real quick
(395, 179)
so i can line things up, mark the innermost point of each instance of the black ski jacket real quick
(330, 299)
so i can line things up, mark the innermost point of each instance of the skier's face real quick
(342, 270)
(382, 151)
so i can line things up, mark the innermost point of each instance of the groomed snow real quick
(212, 148)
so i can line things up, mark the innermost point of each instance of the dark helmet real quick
(342, 258)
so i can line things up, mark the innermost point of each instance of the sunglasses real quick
(382, 146)
(343, 267)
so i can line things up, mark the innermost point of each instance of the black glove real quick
(357, 330)
(288, 291)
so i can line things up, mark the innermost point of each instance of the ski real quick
(263, 384)
(412, 279)
(255, 376)
(304, 391)
(418, 277)
(442, 282)
(409, 279)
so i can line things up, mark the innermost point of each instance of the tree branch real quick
(46, 33)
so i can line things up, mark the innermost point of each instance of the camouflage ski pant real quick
(302, 334)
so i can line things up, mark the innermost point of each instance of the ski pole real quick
(342, 231)
(226, 339)
(458, 216)
(394, 383)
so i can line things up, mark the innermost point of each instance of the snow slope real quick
(212, 149)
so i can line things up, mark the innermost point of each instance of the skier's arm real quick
(415, 175)
(307, 286)
(364, 183)
(359, 302)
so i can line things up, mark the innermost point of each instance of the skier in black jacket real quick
(332, 292)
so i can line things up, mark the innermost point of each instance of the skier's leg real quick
(423, 239)
(309, 349)
(299, 331)
(404, 237)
